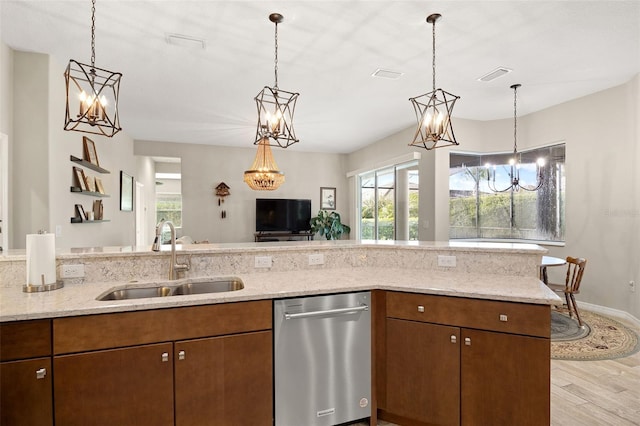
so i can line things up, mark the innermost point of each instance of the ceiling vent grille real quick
(492, 75)
(393, 75)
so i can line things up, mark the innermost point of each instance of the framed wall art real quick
(90, 153)
(126, 192)
(327, 198)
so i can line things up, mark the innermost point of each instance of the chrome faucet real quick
(174, 266)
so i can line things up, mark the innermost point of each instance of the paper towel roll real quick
(41, 259)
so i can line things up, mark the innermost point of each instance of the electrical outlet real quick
(316, 259)
(263, 262)
(632, 286)
(72, 271)
(447, 261)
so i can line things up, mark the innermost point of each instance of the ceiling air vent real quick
(186, 41)
(393, 75)
(492, 75)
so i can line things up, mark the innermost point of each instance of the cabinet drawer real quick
(87, 333)
(508, 317)
(25, 339)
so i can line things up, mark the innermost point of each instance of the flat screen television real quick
(282, 215)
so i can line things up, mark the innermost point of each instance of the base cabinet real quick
(25, 374)
(224, 380)
(115, 387)
(204, 365)
(442, 374)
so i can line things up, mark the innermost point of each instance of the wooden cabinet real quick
(125, 386)
(25, 373)
(185, 366)
(224, 380)
(438, 368)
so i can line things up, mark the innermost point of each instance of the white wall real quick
(205, 166)
(42, 172)
(6, 128)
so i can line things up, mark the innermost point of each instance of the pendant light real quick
(433, 109)
(264, 174)
(276, 107)
(92, 94)
(514, 162)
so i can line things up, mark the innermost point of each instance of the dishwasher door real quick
(322, 356)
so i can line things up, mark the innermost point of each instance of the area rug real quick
(601, 338)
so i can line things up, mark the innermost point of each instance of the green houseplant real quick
(329, 225)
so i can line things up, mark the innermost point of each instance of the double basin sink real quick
(181, 288)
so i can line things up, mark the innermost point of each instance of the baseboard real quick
(626, 316)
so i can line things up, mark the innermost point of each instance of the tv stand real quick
(282, 236)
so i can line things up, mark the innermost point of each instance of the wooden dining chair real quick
(571, 287)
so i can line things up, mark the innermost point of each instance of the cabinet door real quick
(423, 373)
(131, 386)
(26, 393)
(225, 380)
(505, 379)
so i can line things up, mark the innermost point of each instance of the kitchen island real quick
(494, 286)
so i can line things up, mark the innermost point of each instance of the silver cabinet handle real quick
(181, 355)
(338, 311)
(420, 308)
(165, 357)
(41, 373)
(454, 339)
(467, 341)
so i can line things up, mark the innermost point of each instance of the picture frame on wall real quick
(80, 178)
(90, 153)
(126, 192)
(80, 212)
(327, 198)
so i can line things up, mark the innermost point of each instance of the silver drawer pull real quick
(420, 308)
(165, 357)
(181, 355)
(503, 318)
(454, 339)
(41, 373)
(467, 341)
(338, 311)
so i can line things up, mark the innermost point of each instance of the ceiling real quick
(328, 50)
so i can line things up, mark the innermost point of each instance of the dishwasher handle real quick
(312, 314)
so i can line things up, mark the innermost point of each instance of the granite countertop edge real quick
(80, 299)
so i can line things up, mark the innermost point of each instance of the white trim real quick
(616, 313)
(4, 191)
(387, 163)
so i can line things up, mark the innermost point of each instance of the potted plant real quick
(329, 225)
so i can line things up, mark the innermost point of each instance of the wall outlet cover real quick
(263, 262)
(72, 271)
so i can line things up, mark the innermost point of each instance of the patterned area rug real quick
(601, 338)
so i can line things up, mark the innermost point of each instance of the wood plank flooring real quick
(594, 393)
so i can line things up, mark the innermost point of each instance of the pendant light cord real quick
(276, 59)
(93, 34)
(433, 63)
(515, 121)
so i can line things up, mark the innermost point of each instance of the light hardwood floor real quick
(594, 393)
(585, 393)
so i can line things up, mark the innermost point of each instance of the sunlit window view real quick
(389, 203)
(482, 203)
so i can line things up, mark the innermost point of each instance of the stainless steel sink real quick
(233, 284)
(187, 287)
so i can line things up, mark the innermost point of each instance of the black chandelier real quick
(433, 109)
(515, 161)
(92, 94)
(276, 107)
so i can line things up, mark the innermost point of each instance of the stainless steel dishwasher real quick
(322, 354)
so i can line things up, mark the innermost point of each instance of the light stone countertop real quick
(80, 299)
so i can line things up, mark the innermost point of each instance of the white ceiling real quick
(559, 50)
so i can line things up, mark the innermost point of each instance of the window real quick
(389, 203)
(169, 207)
(475, 211)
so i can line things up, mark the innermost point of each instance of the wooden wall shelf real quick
(89, 165)
(78, 190)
